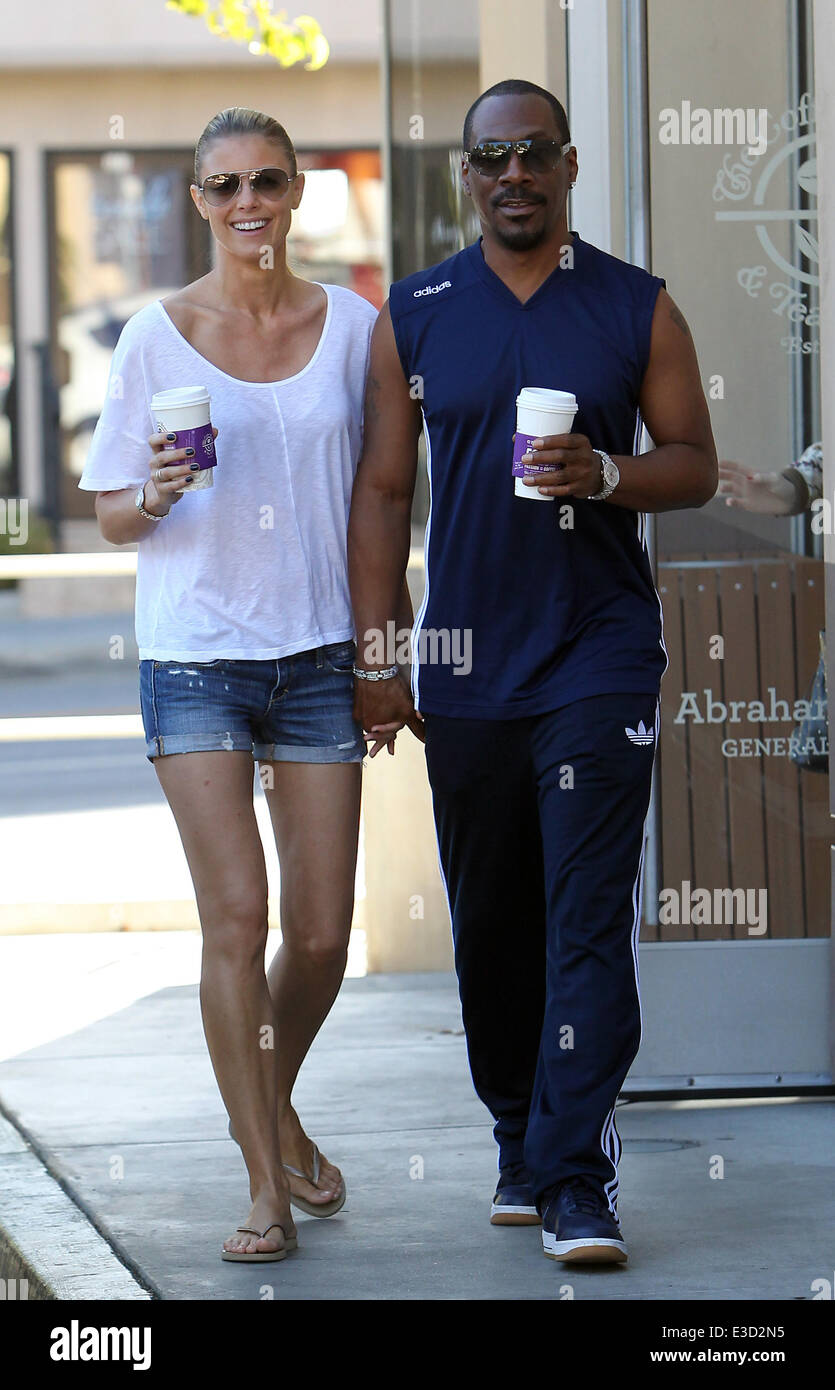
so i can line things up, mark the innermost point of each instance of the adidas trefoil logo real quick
(640, 736)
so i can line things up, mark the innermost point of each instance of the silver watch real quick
(611, 477)
(139, 499)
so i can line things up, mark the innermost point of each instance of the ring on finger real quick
(158, 475)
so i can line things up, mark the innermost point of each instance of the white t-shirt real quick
(254, 567)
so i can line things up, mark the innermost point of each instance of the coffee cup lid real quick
(180, 395)
(544, 398)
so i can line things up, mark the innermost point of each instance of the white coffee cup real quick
(185, 411)
(539, 412)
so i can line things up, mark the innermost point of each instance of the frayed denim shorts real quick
(297, 708)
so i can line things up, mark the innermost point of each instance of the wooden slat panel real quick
(784, 841)
(809, 619)
(673, 789)
(711, 866)
(743, 773)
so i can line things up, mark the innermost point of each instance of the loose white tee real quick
(254, 567)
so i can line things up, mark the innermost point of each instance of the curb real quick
(50, 1249)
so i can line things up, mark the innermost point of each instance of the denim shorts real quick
(294, 709)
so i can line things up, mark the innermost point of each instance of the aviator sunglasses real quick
(491, 157)
(221, 188)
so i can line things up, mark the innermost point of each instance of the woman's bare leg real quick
(210, 795)
(314, 809)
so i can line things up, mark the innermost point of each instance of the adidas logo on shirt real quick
(433, 289)
(641, 736)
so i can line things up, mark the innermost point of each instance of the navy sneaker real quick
(577, 1224)
(513, 1204)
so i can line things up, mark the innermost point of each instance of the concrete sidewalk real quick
(126, 1115)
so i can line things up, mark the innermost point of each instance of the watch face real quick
(139, 499)
(611, 473)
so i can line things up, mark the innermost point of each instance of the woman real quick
(245, 636)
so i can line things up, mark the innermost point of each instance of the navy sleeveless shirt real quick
(524, 612)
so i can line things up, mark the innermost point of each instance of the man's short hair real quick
(518, 86)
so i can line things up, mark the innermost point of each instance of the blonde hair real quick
(242, 120)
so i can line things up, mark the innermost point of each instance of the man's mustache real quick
(517, 198)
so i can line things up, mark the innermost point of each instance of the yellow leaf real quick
(320, 52)
(286, 49)
(309, 26)
(289, 42)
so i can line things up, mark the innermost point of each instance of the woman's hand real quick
(383, 708)
(169, 476)
(768, 494)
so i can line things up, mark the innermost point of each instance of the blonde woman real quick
(246, 637)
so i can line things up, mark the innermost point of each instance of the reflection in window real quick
(125, 233)
(8, 470)
(337, 231)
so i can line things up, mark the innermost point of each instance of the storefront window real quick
(124, 233)
(734, 231)
(337, 231)
(8, 469)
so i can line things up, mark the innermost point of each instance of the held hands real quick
(384, 707)
(170, 476)
(577, 470)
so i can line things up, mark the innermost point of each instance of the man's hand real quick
(577, 468)
(383, 708)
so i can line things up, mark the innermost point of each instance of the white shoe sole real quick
(502, 1215)
(588, 1251)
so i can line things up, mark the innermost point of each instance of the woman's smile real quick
(248, 225)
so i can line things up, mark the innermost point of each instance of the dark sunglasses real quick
(220, 188)
(492, 157)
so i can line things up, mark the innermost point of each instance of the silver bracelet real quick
(386, 675)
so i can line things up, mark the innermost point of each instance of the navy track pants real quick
(540, 824)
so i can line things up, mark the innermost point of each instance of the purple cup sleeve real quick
(200, 439)
(527, 470)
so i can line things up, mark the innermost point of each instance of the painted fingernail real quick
(188, 480)
(189, 453)
(195, 467)
(171, 436)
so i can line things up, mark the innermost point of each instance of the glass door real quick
(734, 957)
(9, 484)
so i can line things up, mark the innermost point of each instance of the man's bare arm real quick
(379, 528)
(682, 469)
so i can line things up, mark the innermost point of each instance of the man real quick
(540, 757)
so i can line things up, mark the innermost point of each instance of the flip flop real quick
(257, 1256)
(310, 1208)
(314, 1208)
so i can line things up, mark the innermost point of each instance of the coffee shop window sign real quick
(747, 182)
